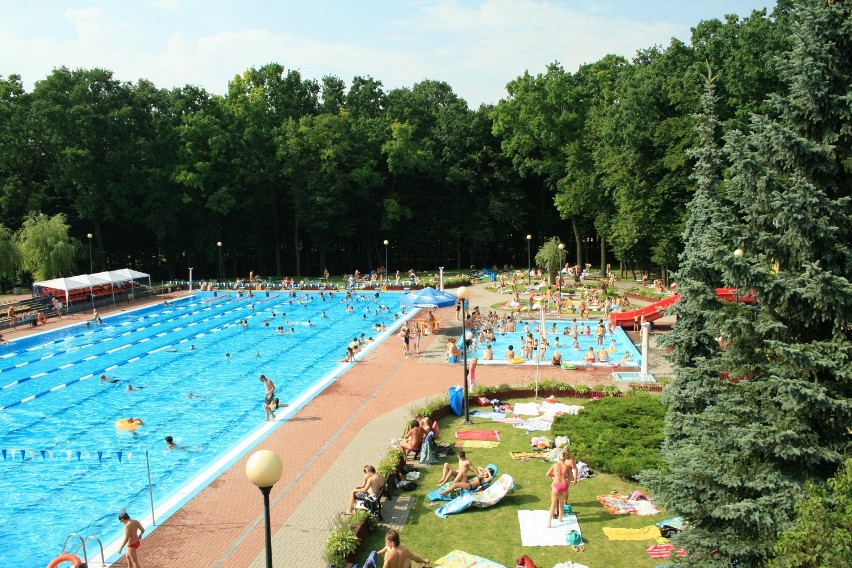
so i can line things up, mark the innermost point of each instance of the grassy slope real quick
(494, 532)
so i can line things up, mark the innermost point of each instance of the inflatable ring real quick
(65, 557)
(568, 366)
(517, 361)
(612, 350)
(125, 424)
(42, 318)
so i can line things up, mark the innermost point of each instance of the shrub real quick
(343, 541)
(621, 436)
(582, 389)
(610, 390)
(390, 463)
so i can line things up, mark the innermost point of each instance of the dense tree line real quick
(295, 175)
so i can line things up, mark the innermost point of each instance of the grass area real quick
(494, 532)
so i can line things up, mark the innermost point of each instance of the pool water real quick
(622, 344)
(67, 469)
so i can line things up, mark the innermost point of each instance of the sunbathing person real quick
(372, 485)
(414, 438)
(483, 477)
(452, 474)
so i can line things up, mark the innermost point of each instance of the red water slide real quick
(655, 311)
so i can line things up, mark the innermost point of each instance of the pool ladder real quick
(83, 542)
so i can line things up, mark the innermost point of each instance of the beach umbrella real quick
(427, 298)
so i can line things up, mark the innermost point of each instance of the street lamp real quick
(529, 260)
(91, 266)
(461, 293)
(387, 274)
(221, 262)
(264, 468)
(559, 277)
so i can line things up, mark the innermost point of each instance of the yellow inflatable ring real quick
(125, 424)
(518, 361)
(612, 350)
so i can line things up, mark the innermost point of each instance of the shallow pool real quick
(559, 338)
(65, 466)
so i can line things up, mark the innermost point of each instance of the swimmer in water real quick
(105, 379)
(170, 443)
(192, 347)
(131, 388)
(228, 357)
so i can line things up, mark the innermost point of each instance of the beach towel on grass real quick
(488, 497)
(477, 444)
(489, 414)
(543, 456)
(534, 425)
(490, 435)
(645, 533)
(621, 505)
(663, 550)
(459, 559)
(534, 531)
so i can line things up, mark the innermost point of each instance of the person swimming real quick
(105, 379)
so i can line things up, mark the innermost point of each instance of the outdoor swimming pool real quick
(67, 469)
(617, 343)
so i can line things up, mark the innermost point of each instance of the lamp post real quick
(529, 260)
(387, 274)
(264, 468)
(462, 295)
(91, 265)
(559, 276)
(221, 263)
(739, 254)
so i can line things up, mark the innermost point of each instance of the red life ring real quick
(66, 557)
(42, 318)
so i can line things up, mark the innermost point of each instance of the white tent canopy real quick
(82, 281)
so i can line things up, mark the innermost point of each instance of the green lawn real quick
(494, 532)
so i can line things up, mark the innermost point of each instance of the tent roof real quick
(89, 280)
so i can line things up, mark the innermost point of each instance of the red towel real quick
(663, 551)
(490, 435)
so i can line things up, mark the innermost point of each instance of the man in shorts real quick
(372, 485)
(269, 399)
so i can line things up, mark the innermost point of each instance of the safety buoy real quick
(125, 424)
(42, 318)
(517, 361)
(66, 557)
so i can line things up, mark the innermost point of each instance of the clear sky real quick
(476, 46)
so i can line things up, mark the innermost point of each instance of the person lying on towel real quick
(483, 477)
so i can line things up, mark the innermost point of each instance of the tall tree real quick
(788, 420)
(47, 250)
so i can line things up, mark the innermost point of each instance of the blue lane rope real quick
(133, 359)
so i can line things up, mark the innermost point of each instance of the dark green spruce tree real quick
(785, 419)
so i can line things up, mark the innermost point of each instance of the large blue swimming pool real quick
(65, 466)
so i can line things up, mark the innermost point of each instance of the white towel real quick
(534, 531)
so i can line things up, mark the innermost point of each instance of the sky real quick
(476, 46)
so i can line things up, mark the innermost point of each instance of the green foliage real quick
(582, 389)
(737, 453)
(10, 257)
(389, 464)
(46, 249)
(342, 541)
(621, 436)
(610, 390)
(822, 533)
